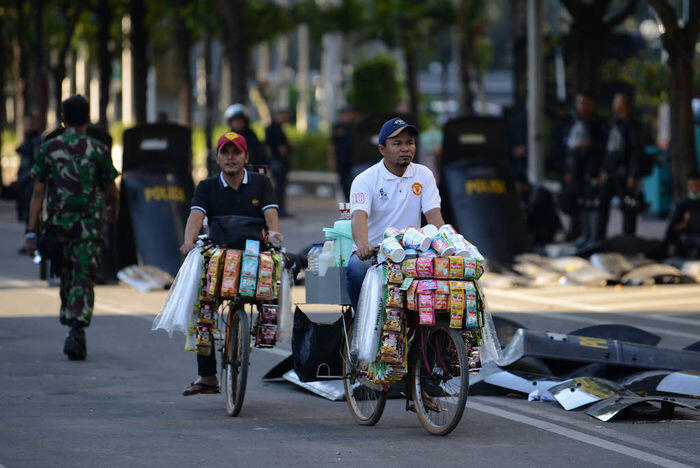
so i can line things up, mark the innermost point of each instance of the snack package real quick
(442, 245)
(206, 315)
(277, 273)
(265, 271)
(408, 268)
(472, 305)
(428, 254)
(394, 296)
(252, 247)
(424, 267)
(441, 301)
(213, 272)
(394, 319)
(204, 341)
(443, 287)
(268, 315)
(247, 286)
(412, 297)
(457, 319)
(426, 308)
(442, 267)
(448, 231)
(473, 268)
(249, 266)
(457, 303)
(390, 346)
(456, 267)
(427, 285)
(232, 273)
(394, 274)
(266, 336)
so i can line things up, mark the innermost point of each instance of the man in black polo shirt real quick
(234, 191)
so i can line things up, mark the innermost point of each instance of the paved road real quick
(123, 406)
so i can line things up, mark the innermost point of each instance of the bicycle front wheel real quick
(365, 400)
(440, 379)
(234, 362)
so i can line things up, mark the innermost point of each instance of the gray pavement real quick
(122, 406)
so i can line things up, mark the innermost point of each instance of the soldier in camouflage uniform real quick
(76, 175)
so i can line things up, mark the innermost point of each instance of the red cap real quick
(232, 137)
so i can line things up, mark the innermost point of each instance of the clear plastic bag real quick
(490, 351)
(285, 319)
(176, 312)
(367, 327)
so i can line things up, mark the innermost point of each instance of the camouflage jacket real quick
(75, 169)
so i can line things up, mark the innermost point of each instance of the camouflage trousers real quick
(81, 264)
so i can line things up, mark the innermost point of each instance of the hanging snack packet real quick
(213, 272)
(265, 270)
(394, 296)
(389, 350)
(247, 286)
(394, 274)
(473, 268)
(412, 297)
(427, 285)
(204, 341)
(206, 314)
(471, 305)
(443, 287)
(408, 268)
(232, 272)
(394, 318)
(277, 273)
(441, 301)
(456, 267)
(424, 267)
(442, 267)
(249, 266)
(268, 315)
(426, 308)
(266, 336)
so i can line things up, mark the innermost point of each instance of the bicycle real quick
(438, 377)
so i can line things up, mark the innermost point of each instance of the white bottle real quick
(312, 258)
(325, 259)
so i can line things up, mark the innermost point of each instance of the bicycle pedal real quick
(410, 406)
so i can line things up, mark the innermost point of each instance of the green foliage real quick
(646, 74)
(375, 87)
(310, 150)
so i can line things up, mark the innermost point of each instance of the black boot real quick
(75, 347)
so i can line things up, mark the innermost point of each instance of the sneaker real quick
(75, 347)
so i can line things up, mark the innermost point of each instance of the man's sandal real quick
(198, 387)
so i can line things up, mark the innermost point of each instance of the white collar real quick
(224, 184)
(388, 175)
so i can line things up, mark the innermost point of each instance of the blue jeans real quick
(355, 275)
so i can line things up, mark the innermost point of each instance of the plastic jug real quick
(325, 260)
(341, 235)
(312, 258)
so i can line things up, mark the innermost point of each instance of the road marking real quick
(578, 436)
(566, 418)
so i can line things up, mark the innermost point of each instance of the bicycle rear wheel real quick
(234, 360)
(365, 400)
(439, 379)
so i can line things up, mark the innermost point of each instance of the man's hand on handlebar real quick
(275, 239)
(365, 252)
(186, 247)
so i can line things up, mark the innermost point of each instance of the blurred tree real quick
(245, 24)
(19, 32)
(375, 87)
(591, 25)
(470, 26)
(679, 40)
(138, 39)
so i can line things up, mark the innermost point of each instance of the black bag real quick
(51, 249)
(232, 231)
(317, 348)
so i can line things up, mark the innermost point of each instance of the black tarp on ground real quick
(478, 189)
(156, 190)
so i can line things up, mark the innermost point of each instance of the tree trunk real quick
(209, 96)
(236, 47)
(22, 71)
(183, 44)
(104, 58)
(586, 54)
(682, 144)
(518, 29)
(139, 44)
(42, 91)
(59, 73)
(411, 57)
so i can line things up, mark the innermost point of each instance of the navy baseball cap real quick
(393, 127)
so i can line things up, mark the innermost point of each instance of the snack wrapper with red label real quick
(426, 308)
(249, 266)
(456, 267)
(408, 268)
(472, 305)
(277, 274)
(412, 297)
(232, 273)
(204, 340)
(394, 296)
(473, 268)
(206, 315)
(442, 267)
(394, 319)
(443, 287)
(265, 270)
(394, 274)
(213, 273)
(457, 320)
(427, 285)
(441, 301)
(266, 336)
(247, 286)
(424, 267)
(268, 315)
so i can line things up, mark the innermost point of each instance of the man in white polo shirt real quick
(392, 193)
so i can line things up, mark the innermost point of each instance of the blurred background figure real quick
(27, 153)
(683, 232)
(584, 174)
(538, 205)
(238, 119)
(623, 159)
(562, 122)
(340, 149)
(517, 142)
(280, 152)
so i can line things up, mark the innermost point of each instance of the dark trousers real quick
(206, 365)
(280, 170)
(355, 276)
(345, 176)
(618, 187)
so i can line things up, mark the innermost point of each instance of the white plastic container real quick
(312, 258)
(325, 259)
